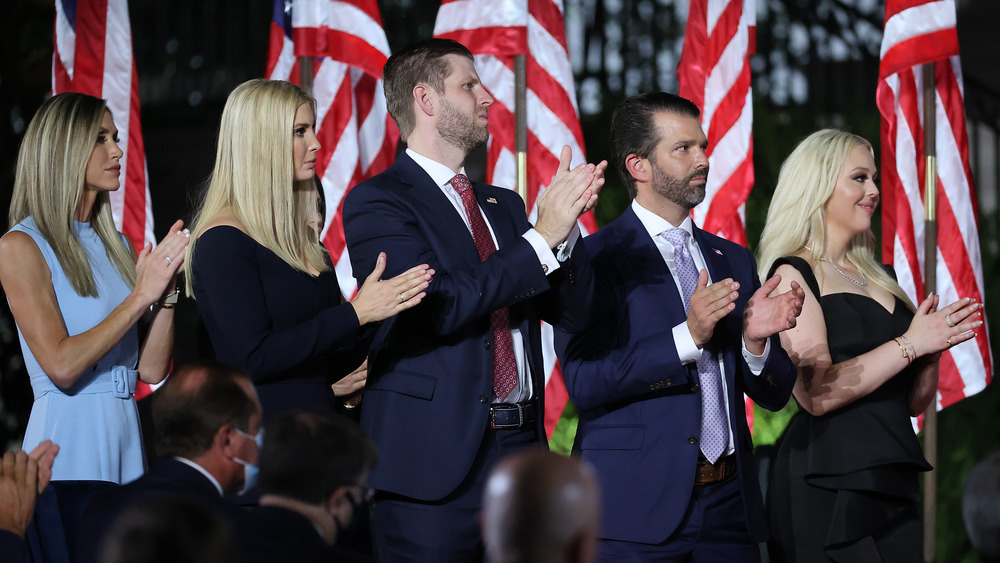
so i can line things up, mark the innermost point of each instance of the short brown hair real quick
(308, 454)
(197, 400)
(634, 131)
(420, 63)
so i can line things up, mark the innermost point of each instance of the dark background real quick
(817, 66)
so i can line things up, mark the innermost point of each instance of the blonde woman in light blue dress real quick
(78, 291)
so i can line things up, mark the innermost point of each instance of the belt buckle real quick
(507, 408)
(120, 384)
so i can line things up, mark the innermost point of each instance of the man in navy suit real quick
(206, 416)
(457, 381)
(314, 468)
(679, 329)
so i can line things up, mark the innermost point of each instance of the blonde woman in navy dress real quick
(266, 288)
(78, 290)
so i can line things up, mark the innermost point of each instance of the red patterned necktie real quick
(504, 366)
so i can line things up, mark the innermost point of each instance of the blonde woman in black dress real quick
(845, 483)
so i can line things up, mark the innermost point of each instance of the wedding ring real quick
(947, 319)
(401, 300)
(948, 342)
(167, 258)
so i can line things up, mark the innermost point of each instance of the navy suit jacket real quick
(269, 533)
(640, 408)
(429, 369)
(13, 548)
(167, 477)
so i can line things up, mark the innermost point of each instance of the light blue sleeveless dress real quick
(96, 421)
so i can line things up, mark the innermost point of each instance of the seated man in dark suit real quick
(168, 529)
(23, 476)
(541, 506)
(313, 469)
(207, 416)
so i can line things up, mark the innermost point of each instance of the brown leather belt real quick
(707, 473)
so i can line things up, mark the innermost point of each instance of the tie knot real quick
(461, 183)
(677, 237)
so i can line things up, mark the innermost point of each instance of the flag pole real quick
(306, 74)
(521, 125)
(930, 285)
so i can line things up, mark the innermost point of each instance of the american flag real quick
(352, 122)
(919, 32)
(495, 31)
(93, 55)
(714, 73)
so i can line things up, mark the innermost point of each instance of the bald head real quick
(540, 506)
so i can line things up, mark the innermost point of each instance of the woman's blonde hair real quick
(50, 181)
(796, 218)
(254, 176)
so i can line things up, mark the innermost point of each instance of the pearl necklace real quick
(861, 283)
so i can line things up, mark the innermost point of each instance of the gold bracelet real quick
(905, 347)
(909, 346)
(169, 300)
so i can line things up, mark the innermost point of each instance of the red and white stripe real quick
(352, 122)
(495, 31)
(93, 55)
(918, 32)
(714, 73)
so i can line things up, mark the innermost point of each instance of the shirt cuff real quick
(687, 350)
(756, 363)
(546, 257)
(565, 248)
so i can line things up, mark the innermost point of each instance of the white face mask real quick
(250, 470)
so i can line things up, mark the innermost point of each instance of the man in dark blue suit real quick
(206, 417)
(679, 329)
(314, 469)
(457, 381)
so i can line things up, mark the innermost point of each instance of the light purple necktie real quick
(714, 428)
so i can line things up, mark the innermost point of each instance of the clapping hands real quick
(765, 316)
(23, 476)
(380, 299)
(932, 331)
(571, 194)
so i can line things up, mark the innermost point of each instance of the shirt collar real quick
(654, 224)
(203, 471)
(440, 173)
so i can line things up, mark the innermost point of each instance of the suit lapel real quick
(639, 249)
(496, 213)
(718, 266)
(440, 212)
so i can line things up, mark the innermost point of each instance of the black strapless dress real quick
(845, 485)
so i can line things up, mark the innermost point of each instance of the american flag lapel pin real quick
(491, 200)
(717, 251)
